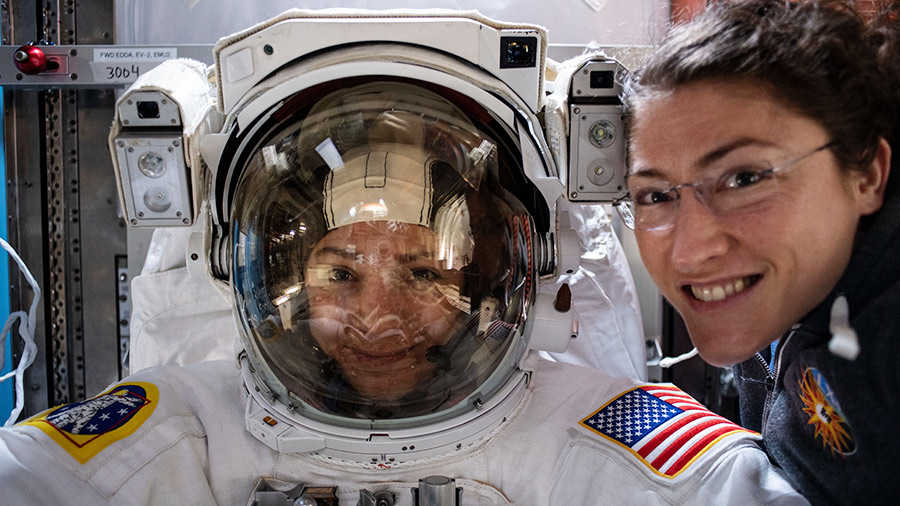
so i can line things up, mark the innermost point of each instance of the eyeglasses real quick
(739, 189)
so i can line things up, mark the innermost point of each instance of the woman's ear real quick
(869, 185)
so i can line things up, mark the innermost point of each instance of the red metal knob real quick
(30, 59)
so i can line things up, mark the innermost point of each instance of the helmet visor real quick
(379, 264)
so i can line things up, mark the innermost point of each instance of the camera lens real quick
(602, 134)
(148, 110)
(518, 52)
(151, 164)
(603, 79)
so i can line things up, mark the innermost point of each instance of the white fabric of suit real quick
(193, 449)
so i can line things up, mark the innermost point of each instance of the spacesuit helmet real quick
(382, 254)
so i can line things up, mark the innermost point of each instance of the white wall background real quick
(568, 21)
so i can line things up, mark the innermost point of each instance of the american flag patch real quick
(664, 427)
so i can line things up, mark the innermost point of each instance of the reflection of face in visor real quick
(379, 264)
(381, 300)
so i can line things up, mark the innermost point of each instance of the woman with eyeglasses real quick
(761, 195)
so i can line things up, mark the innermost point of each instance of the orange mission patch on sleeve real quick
(85, 428)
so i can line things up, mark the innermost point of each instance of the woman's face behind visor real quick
(381, 257)
(382, 302)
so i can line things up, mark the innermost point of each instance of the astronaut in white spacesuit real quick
(384, 237)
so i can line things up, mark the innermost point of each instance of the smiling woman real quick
(784, 246)
(761, 138)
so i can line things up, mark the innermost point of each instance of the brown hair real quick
(821, 57)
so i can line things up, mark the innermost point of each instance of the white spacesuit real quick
(383, 217)
(193, 448)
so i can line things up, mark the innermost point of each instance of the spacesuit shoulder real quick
(623, 441)
(661, 427)
(104, 440)
(655, 426)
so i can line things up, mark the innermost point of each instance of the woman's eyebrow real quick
(708, 158)
(332, 250)
(649, 173)
(720, 152)
(353, 254)
(415, 257)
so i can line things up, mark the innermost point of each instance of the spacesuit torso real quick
(188, 445)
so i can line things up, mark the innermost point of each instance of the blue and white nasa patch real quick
(85, 428)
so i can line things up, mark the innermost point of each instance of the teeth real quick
(719, 292)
